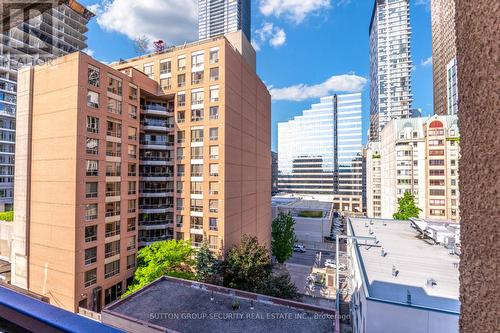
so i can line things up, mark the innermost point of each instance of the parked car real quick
(331, 264)
(299, 248)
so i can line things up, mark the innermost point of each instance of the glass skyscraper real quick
(218, 17)
(57, 31)
(320, 152)
(390, 64)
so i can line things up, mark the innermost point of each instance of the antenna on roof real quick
(408, 296)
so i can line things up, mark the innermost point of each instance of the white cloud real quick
(174, 21)
(296, 10)
(269, 33)
(427, 62)
(337, 83)
(90, 52)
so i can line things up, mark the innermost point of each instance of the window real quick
(131, 261)
(91, 190)
(214, 56)
(181, 99)
(90, 277)
(132, 112)
(131, 223)
(212, 223)
(214, 152)
(197, 60)
(214, 188)
(180, 170)
(132, 151)
(132, 187)
(438, 172)
(196, 222)
(214, 170)
(437, 212)
(178, 221)
(214, 94)
(112, 269)
(437, 202)
(165, 66)
(197, 115)
(180, 204)
(181, 80)
(90, 255)
(113, 149)
(115, 86)
(197, 97)
(132, 206)
(181, 116)
(214, 133)
(131, 243)
(148, 70)
(436, 192)
(166, 83)
(113, 189)
(93, 99)
(114, 106)
(113, 129)
(113, 208)
(196, 205)
(196, 77)
(180, 153)
(111, 249)
(93, 76)
(90, 212)
(132, 95)
(196, 188)
(214, 112)
(92, 168)
(197, 135)
(196, 153)
(112, 229)
(214, 74)
(181, 137)
(181, 63)
(196, 170)
(92, 124)
(180, 187)
(113, 169)
(90, 233)
(114, 292)
(213, 242)
(436, 152)
(132, 133)
(92, 146)
(436, 162)
(453, 182)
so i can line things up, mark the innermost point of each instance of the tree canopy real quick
(407, 208)
(283, 237)
(172, 258)
(207, 265)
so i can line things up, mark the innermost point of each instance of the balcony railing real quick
(112, 233)
(110, 213)
(111, 253)
(157, 206)
(196, 209)
(196, 226)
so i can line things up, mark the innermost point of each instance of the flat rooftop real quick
(415, 260)
(186, 306)
(301, 203)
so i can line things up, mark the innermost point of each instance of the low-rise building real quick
(176, 305)
(402, 282)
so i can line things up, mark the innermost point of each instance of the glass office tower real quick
(320, 152)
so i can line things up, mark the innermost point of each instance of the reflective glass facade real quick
(319, 152)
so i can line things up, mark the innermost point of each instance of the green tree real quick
(172, 258)
(283, 237)
(246, 265)
(407, 208)
(280, 286)
(207, 265)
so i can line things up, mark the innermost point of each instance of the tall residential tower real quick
(57, 31)
(390, 64)
(444, 62)
(218, 17)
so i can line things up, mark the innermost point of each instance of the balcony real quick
(155, 109)
(160, 145)
(156, 208)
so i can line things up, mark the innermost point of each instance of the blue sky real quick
(300, 42)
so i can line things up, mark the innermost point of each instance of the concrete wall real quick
(478, 23)
(6, 229)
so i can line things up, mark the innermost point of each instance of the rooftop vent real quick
(383, 253)
(408, 296)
